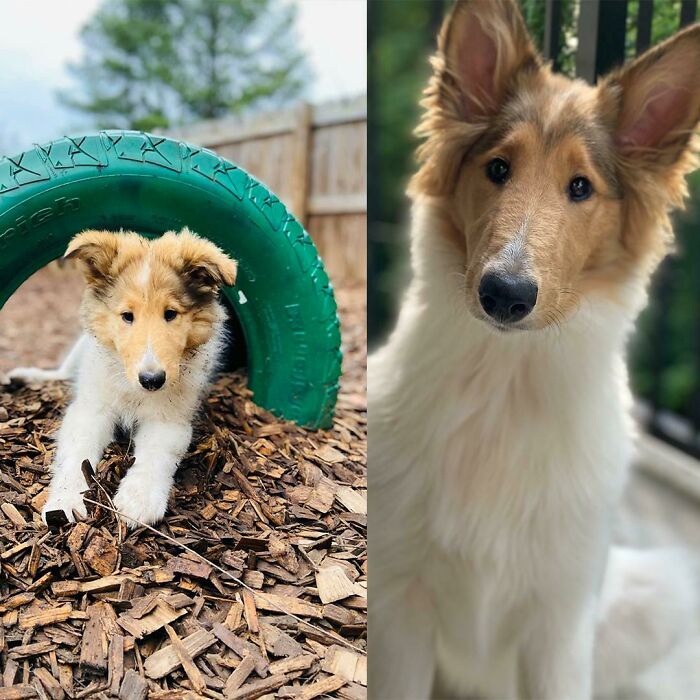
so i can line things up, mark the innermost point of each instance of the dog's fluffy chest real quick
(518, 452)
(503, 459)
(517, 490)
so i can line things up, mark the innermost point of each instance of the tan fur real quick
(127, 273)
(631, 136)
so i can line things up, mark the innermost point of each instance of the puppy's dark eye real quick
(128, 317)
(497, 170)
(170, 315)
(580, 188)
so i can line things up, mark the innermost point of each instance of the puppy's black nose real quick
(152, 380)
(507, 298)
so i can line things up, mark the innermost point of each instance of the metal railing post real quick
(601, 37)
(552, 32)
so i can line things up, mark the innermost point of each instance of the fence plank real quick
(219, 132)
(337, 204)
(300, 164)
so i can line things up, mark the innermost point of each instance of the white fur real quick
(149, 362)
(104, 398)
(495, 463)
(144, 273)
(661, 583)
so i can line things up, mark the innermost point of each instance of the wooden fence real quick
(314, 158)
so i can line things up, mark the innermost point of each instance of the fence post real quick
(300, 174)
(601, 37)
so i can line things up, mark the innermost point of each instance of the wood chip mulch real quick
(95, 610)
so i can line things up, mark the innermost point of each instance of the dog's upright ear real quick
(205, 266)
(653, 104)
(651, 108)
(483, 47)
(96, 251)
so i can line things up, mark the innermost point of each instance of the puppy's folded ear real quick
(205, 266)
(483, 49)
(96, 252)
(653, 104)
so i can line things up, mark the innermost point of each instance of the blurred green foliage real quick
(402, 37)
(398, 67)
(665, 351)
(155, 63)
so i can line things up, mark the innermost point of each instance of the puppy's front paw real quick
(66, 500)
(29, 375)
(139, 500)
(22, 375)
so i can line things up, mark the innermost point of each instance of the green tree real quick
(156, 63)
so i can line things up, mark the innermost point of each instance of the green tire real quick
(151, 184)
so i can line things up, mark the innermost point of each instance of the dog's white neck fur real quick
(495, 459)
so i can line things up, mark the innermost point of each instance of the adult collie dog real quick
(499, 427)
(154, 331)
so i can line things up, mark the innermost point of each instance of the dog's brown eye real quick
(170, 314)
(128, 317)
(497, 170)
(580, 188)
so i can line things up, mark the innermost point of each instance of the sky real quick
(333, 34)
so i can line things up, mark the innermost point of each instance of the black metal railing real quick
(602, 31)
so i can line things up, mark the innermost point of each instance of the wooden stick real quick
(193, 673)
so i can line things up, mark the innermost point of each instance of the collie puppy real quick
(154, 332)
(499, 408)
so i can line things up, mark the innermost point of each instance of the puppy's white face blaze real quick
(150, 363)
(150, 322)
(144, 275)
(151, 302)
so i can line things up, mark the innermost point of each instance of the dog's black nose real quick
(152, 380)
(507, 298)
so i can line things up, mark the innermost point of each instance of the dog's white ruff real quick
(496, 461)
(104, 398)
